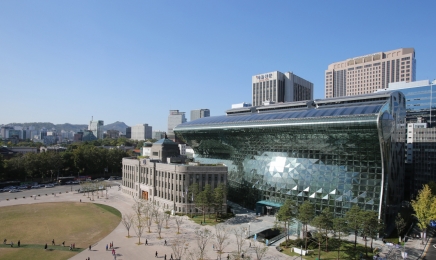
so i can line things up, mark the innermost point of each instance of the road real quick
(43, 191)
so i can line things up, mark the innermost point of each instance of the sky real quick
(133, 61)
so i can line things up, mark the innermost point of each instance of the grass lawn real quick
(37, 224)
(210, 220)
(346, 251)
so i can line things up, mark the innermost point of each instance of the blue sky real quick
(133, 61)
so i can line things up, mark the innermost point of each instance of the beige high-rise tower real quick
(366, 74)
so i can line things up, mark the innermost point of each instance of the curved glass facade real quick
(335, 156)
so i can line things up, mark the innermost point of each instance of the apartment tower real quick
(366, 74)
(199, 113)
(278, 87)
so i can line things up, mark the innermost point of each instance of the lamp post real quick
(248, 230)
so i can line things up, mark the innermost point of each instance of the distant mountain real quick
(120, 126)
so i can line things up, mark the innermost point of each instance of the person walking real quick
(12, 244)
(106, 247)
(146, 242)
(52, 242)
(4, 241)
(19, 243)
(89, 248)
(45, 247)
(165, 242)
(228, 256)
(63, 243)
(113, 251)
(171, 258)
(165, 257)
(155, 254)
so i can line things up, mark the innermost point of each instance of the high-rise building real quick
(141, 132)
(175, 118)
(129, 132)
(97, 128)
(157, 135)
(199, 113)
(280, 87)
(366, 74)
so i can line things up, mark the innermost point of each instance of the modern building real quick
(241, 105)
(421, 128)
(97, 128)
(368, 73)
(199, 113)
(164, 178)
(279, 87)
(112, 133)
(335, 152)
(175, 118)
(128, 132)
(141, 132)
(157, 135)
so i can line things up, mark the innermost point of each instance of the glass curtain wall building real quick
(334, 152)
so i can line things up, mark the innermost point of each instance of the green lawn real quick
(210, 219)
(346, 251)
(37, 224)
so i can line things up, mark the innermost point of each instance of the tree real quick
(354, 221)
(370, 226)
(240, 239)
(401, 224)
(159, 223)
(149, 219)
(166, 218)
(425, 209)
(306, 212)
(178, 247)
(127, 221)
(340, 228)
(260, 250)
(287, 214)
(222, 234)
(324, 222)
(179, 222)
(219, 193)
(202, 237)
(376, 226)
(139, 226)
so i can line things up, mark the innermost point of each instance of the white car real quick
(12, 191)
(49, 186)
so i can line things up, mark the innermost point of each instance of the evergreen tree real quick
(306, 213)
(287, 214)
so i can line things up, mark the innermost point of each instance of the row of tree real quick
(356, 221)
(146, 215)
(78, 159)
(209, 199)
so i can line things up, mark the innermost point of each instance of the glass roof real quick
(285, 115)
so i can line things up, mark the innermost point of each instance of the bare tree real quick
(179, 221)
(138, 206)
(202, 237)
(149, 220)
(155, 212)
(179, 247)
(159, 223)
(260, 250)
(127, 221)
(240, 239)
(139, 226)
(166, 217)
(222, 235)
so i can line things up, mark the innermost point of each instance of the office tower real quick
(175, 118)
(157, 135)
(366, 74)
(277, 87)
(129, 132)
(97, 128)
(141, 132)
(199, 113)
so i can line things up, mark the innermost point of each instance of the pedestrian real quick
(242, 255)
(113, 251)
(4, 241)
(250, 245)
(52, 242)
(63, 243)
(112, 244)
(171, 257)
(71, 247)
(106, 247)
(19, 243)
(155, 254)
(74, 245)
(12, 244)
(201, 222)
(80, 200)
(89, 247)
(165, 258)
(228, 256)
(165, 242)
(146, 242)
(213, 246)
(45, 247)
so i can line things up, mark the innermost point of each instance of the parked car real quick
(49, 186)
(35, 187)
(12, 191)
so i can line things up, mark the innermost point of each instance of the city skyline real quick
(67, 61)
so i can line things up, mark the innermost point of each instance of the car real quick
(12, 191)
(35, 187)
(49, 186)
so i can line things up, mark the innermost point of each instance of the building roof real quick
(165, 141)
(362, 106)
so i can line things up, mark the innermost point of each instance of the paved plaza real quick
(127, 248)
